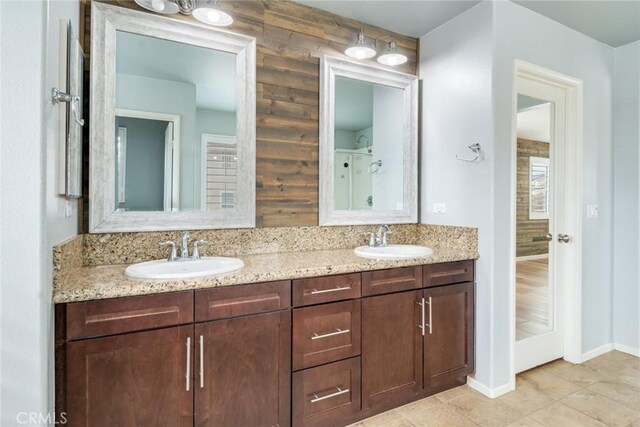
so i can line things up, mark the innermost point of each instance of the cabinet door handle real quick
(324, 291)
(201, 361)
(188, 373)
(421, 325)
(430, 325)
(328, 396)
(330, 334)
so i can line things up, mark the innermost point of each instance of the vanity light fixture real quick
(167, 7)
(205, 11)
(391, 56)
(208, 12)
(361, 49)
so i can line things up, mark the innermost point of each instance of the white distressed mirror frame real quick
(330, 67)
(103, 217)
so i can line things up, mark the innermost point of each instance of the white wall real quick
(164, 96)
(388, 140)
(626, 231)
(455, 69)
(535, 123)
(522, 34)
(467, 68)
(32, 215)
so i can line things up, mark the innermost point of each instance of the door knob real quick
(548, 237)
(563, 238)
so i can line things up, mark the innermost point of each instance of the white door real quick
(168, 167)
(539, 221)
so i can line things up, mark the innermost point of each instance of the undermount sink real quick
(163, 269)
(393, 251)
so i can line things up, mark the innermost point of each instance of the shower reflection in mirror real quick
(368, 135)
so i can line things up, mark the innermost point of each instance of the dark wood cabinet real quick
(353, 345)
(136, 379)
(391, 348)
(449, 338)
(243, 371)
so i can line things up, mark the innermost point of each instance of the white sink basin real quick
(393, 252)
(163, 269)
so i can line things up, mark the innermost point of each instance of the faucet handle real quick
(174, 254)
(196, 252)
(372, 238)
(384, 237)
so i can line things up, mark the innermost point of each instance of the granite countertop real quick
(109, 281)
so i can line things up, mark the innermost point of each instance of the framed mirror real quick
(368, 144)
(172, 131)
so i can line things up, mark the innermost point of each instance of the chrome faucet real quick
(184, 249)
(380, 237)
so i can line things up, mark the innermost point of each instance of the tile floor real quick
(604, 391)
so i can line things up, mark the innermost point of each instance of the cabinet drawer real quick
(325, 333)
(233, 301)
(327, 395)
(392, 280)
(317, 290)
(120, 315)
(447, 273)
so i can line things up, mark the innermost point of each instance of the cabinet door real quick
(138, 379)
(449, 332)
(391, 348)
(243, 371)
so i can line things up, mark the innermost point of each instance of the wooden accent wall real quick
(290, 40)
(529, 231)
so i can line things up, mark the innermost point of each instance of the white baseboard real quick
(532, 257)
(596, 352)
(627, 349)
(491, 393)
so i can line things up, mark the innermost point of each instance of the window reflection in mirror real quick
(368, 141)
(175, 126)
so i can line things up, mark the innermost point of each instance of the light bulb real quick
(157, 5)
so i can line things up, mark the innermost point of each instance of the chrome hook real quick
(477, 150)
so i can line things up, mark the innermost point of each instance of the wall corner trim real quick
(634, 351)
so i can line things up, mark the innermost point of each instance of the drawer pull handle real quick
(330, 334)
(430, 325)
(324, 291)
(201, 361)
(329, 396)
(188, 373)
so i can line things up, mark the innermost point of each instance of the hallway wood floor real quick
(532, 297)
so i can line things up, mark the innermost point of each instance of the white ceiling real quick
(614, 22)
(212, 72)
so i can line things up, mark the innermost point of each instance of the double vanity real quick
(335, 339)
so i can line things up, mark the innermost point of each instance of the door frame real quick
(175, 166)
(572, 260)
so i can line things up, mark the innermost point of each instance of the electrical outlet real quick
(439, 208)
(592, 211)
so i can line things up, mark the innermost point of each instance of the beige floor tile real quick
(601, 408)
(612, 362)
(442, 415)
(419, 406)
(619, 391)
(526, 399)
(454, 393)
(636, 423)
(387, 419)
(559, 415)
(547, 383)
(484, 411)
(525, 422)
(579, 375)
